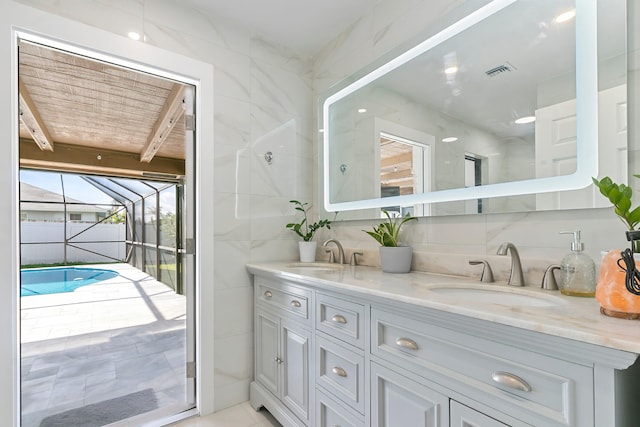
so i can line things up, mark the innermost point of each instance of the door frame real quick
(35, 25)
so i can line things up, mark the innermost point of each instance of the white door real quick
(295, 371)
(266, 354)
(556, 148)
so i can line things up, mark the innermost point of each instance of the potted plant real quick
(618, 287)
(394, 257)
(306, 230)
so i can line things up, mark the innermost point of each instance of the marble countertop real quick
(528, 308)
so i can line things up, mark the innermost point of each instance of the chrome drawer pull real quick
(339, 318)
(407, 343)
(296, 304)
(267, 294)
(339, 371)
(511, 381)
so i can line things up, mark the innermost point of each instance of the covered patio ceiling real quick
(85, 116)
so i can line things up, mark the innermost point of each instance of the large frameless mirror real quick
(502, 111)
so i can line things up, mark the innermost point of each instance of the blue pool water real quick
(41, 281)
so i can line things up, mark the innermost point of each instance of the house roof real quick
(34, 198)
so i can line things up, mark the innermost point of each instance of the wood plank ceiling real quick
(85, 116)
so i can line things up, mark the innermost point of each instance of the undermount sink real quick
(316, 266)
(496, 295)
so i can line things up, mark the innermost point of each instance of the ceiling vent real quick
(502, 68)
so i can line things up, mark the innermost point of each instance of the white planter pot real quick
(396, 259)
(307, 251)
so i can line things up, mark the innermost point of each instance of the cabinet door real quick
(295, 372)
(463, 416)
(266, 354)
(398, 401)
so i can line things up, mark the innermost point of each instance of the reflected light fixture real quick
(362, 110)
(565, 16)
(451, 70)
(525, 120)
(450, 139)
(133, 35)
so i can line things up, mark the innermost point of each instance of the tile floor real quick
(102, 341)
(242, 415)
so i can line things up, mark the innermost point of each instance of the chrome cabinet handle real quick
(406, 343)
(296, 303)
(339, 371)
(278, 360)
(511, 381)
(268, 294)
(339, 318)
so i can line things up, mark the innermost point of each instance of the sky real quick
(77, 188)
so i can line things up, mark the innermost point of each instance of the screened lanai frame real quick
(153, 227)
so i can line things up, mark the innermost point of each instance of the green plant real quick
(620, 197)
(303, 228)
(387, 232)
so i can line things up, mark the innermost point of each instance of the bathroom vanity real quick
(337, 345)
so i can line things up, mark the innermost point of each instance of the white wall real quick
(110, 237)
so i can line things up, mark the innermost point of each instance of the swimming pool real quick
(42, 281)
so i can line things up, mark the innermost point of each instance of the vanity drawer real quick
(340, 319)
(330, 413)
(341, 372)
(287, 298)
(533, 384)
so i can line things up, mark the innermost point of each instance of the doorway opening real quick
(122, 347)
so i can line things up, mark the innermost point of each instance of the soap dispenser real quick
(577, 270)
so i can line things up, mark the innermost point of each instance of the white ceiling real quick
(302, 25)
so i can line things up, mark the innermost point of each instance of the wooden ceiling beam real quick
(32, 120)
(171, 112)
(396, 160)
(95, 161)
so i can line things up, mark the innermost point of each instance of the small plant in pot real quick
(306, 230)
(394, 257)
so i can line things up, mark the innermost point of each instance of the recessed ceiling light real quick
(526, 119)
(451, 70)
(362, 110)
(450, 139)
(133, 35)
(565, 16)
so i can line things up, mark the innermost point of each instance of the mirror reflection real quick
(495, 103)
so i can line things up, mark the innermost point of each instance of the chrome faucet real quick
(340, 250)
(516, 277)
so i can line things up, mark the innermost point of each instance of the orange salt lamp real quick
(611, 292)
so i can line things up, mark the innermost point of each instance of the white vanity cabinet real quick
(328, 356)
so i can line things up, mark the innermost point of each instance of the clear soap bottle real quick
(577, 270)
